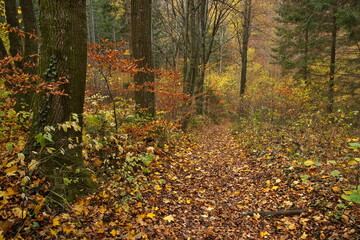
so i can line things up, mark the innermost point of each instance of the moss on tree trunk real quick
(63, 54)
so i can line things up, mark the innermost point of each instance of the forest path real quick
(200, 185)
(208, 182)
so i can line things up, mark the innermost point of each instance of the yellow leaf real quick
(103, 194)
(352, 162)
(53, 232)
(188, 201)
(19, 213)
(9, 192)
(68, 230)
(157, 187)
(21, 156)
(268, 183)
(33, 165)
(150, 215)
(169, 218)
(263, 234)
(336, 189)
(347, 191)
(275, 187)
(102, 209)
(10, 171)
(56, 222)
(113, 232)
(304, 236)
(292, 226)
(309, 163)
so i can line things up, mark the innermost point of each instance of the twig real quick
(275, 213)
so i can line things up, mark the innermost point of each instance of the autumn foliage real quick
(155, 182)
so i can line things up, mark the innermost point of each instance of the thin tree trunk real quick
(141, 45)
(332, 63)
(30, 26)
(3, 52)
(200, 82)
(12, 20)
(92, 22)
(245, 46)
(306, 57)
(31, 45)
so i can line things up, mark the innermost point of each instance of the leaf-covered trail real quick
(199, 187)
(210, 181)
(204, 183)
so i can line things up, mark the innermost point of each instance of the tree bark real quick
(3, 52)
(63, 54)
(92, 32)
(30, 46)
(30, 26)
(12, 20)
(141, 46)
(245, 45)
(331, 83)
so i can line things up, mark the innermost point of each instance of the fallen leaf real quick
(113, 232)
(169, 218)
(263, 234)
(309, 163)
(56, 222)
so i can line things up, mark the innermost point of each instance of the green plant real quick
(353, 196)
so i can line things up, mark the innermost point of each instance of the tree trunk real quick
(3, 52)
(92, 23)
(23, 101)
(31, 45)
(141, 46)
(200, 82)
(245, 45)
(30, 26)
(12, 20)
(306, 57)
(332, 63)
(63, 54)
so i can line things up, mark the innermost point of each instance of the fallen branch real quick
(275, 213)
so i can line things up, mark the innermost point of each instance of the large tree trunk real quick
(141, 46)
(63, 54)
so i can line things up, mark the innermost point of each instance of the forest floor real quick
(210, 186)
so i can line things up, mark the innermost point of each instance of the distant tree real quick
(23, 99)
(299, 44)
(30, 27)
(63, 54)
(11, 14)
(246, 32)
(141, 46)
(108, 19)
(313, 43)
